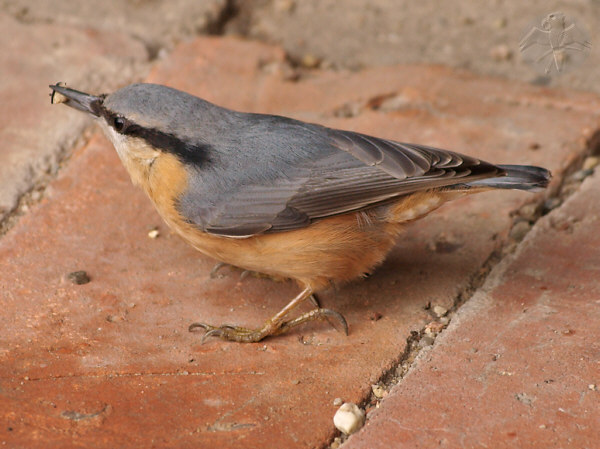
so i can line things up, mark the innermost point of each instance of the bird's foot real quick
(271, 327)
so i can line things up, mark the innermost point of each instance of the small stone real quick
(337, 402)
(78, 277)
(501, 52)
(528, 212)
(445, 243)
(501, 22)
(337, 442)
(310, 61)
(375, 316)
(550, 204)
(520, 230)
(349, 418)
(378, 391)
(153, 233)
(433, 328)
(524, 398)
(439, 311)
(444, 320)
(590, 162)
(426, 341)
(348, 110)
(593, 387)
(580, 175)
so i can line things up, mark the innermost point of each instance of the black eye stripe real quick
(198, 154)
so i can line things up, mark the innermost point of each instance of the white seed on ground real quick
(153, 233)
(349, 418)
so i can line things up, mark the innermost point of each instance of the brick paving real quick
(110, 363)
(33, 141)
(518, 366)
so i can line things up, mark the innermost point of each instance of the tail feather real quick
(520, 177)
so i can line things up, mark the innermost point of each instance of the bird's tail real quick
(520, 177)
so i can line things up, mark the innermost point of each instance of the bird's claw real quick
(214, 273)
(246, 335)
(229, 332)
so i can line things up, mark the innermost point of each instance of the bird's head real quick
(144, 121)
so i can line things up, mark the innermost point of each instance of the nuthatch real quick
(280, 196)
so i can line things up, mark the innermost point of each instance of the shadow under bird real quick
(279, 196)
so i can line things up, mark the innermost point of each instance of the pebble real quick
(337, 402)
(426, 341)
(528, 212)
(378, 391)
(501, 52)
(550, 204)
(310, 61)
(580, 175)
(78, 277)
(153, 233)
(434, 328)
(520, 230)
(501, 22)
(439, 311)
(349, 418)
(590, 162)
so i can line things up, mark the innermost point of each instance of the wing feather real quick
(345, 171)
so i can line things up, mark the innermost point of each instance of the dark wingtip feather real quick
(520, 177)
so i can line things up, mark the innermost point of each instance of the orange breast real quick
(338, 248)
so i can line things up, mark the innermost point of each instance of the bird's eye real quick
(119, 124)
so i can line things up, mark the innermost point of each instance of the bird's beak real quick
(78, 100)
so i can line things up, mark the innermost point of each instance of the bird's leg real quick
(274, 325)
(315, 314)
